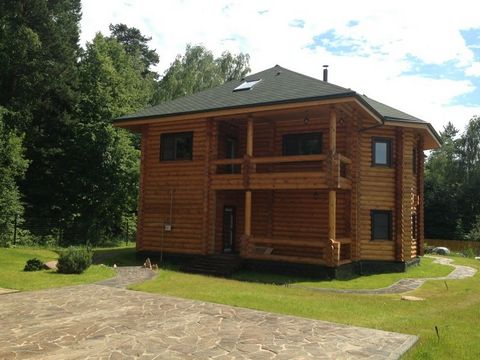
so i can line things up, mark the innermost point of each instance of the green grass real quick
(425, 269)
(455, 311)
(12, 275)
(120, 256)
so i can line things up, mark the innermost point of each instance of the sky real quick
(421, 57)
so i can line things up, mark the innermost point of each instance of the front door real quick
(229, 229)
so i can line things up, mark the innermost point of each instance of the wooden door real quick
(229, 221)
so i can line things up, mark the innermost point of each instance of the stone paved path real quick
(107, 322)
(6, 291)
(128, 275)
(404, 285)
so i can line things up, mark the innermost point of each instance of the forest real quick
(67, 176)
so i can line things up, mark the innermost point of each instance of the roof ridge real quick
(304, 76)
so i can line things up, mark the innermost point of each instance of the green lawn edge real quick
(12, 276)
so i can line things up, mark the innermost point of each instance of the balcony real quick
(282, 172)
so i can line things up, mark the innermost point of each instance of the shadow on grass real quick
(129, 257)
(281, 279)
(117, 256)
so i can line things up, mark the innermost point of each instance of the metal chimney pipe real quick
(325, 73)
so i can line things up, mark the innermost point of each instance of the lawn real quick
(455, 309)
(12, 275)
(426, 268)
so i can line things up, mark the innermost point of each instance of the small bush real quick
(33, 265)
(74, 261)
(469, 253)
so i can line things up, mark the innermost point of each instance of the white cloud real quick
(387, 32)
(473, 70)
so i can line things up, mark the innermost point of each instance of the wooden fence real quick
(455, 245)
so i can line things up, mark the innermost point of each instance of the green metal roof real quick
(390, 113)
(278, 85)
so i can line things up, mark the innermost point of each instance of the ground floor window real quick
(381, 224)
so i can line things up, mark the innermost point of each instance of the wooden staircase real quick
(217, 265)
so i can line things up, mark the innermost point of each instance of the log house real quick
(280, 167)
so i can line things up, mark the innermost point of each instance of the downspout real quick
(372, 127)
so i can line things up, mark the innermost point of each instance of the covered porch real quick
(297, 208)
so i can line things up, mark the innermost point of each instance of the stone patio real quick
(107, 322)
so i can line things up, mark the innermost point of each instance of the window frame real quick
(388, 142)
(175, 135)
(301, 137)
(389, 213)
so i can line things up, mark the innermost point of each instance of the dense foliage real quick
(62, 163)
(74, 260)
(33, 265)
(198, 70)
(12, 168)
(452, 185)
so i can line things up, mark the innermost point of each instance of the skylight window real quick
(247, 85)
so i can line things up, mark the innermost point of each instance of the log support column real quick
(248, 193)
(420, 208)
(334, 255)
(399, 195)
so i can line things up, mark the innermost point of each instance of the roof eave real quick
(437, 141)
(369, 109)
(122, 120)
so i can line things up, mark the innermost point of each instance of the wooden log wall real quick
(421, 210)
(394, 188)
(143, 174)
(376, 191)
(182, 182)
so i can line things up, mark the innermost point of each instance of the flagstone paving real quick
(107, 322)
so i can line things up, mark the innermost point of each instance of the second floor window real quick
(302, 144)
(381, 152)
(176, 146)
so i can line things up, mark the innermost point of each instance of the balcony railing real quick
(282, 172)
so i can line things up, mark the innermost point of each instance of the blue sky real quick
(424, 60)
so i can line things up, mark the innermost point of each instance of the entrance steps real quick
(217, 265)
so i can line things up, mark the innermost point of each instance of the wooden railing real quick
(312, 251)
(287, 159)
(242, 172)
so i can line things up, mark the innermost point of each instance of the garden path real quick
(407, 284)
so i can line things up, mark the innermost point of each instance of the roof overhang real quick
(432, 139)
(136, 123)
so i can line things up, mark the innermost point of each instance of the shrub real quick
(469, 253)
(33, 265)
(74, 261)
(474, 234)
